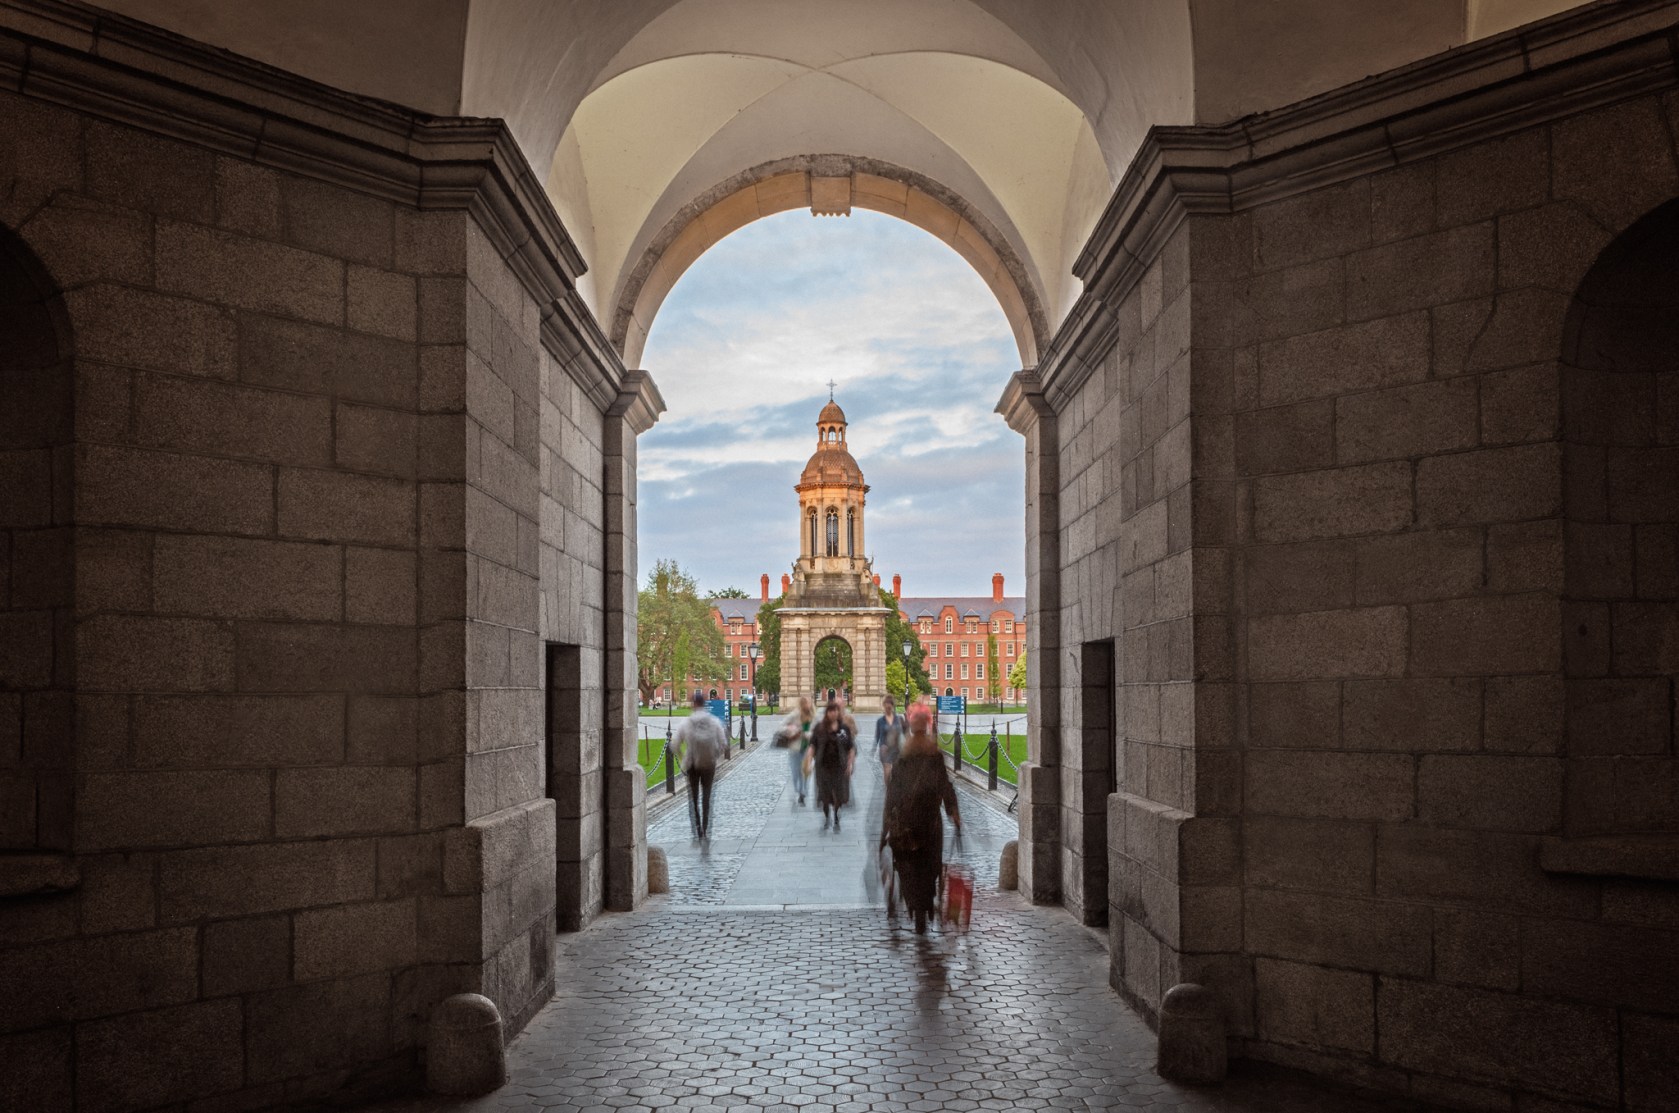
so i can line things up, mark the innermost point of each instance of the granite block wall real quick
(302, 481)
(1375, 487)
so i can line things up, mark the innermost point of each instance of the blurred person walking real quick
(888, 738)
(911, 826)
(833, 749)
(794, 736)
(703, 742)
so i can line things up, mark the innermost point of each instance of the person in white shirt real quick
(702, 742)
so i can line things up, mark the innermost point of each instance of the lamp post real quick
(906, 676)
(752, 655)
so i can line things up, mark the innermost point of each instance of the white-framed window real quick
(964, 673)
(1011, 649)
(948, 624)
(979, 671)
(996, 626)
(964, 692)
(950, 672)
(728, 649)
(667, 695)
(949, 649)
(743, 672)
(932, 649)
(1009, 625)
(964, 649)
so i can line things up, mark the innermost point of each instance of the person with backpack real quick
(703, 743)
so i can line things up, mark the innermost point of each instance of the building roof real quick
(831, 465)
(831, 413)
(744, 609)
(968, 606)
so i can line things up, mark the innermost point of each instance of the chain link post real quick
(957, 748)
(670, 770)
(991, 773)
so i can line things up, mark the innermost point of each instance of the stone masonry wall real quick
(1370, 472)
(1398, 579)
(322, 465)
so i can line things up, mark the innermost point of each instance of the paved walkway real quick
(770, 980)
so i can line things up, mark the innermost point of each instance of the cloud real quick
(742, 350)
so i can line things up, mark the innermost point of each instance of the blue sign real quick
(953, 705)
(719, 708)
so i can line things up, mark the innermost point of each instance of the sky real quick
(919, 350)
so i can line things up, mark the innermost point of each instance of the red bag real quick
(958, 886)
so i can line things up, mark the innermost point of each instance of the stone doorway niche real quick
(1620, 407)
(576, 786)
(37, 681)
(1097, 774)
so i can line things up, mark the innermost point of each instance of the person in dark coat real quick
(833, 752)
(912, 827)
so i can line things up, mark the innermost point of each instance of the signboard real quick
(953, 705)
(719, 708)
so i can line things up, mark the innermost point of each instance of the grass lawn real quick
(977, 743)
(665, 712)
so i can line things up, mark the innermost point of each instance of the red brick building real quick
(954, 628)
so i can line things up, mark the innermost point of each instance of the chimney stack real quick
(996, 587)
(877, 579)
(786, 582)
(898, 585)
(764, 588)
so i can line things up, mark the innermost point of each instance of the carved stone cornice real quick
(119, 69)
(1023, 404)
(639, 402)
(1546, 71)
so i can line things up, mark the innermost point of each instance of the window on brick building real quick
(949, 650)
(964, 649)
(1009, 625)
(950, 672)
(1011, 648)
(964, 672)
(979, 671)
(948, 625)
(743, 675)
(995, 626)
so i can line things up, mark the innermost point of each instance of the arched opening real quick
(864, 183)
(834, 667)
(37, 658)
(1620, 413)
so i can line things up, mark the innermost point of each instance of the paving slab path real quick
(769, 979)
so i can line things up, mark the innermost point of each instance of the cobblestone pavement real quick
(766, 851)
(719, 997)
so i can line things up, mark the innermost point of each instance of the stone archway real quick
(829, 185)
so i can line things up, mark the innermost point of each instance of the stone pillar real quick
(1028, 412)
(636, 408)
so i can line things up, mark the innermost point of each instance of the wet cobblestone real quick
(691, 1004)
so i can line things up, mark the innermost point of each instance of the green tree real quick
(1017, 674)
(670, 613)
(895, 681)
(833, 664)
(898, 632)
(993, 674)
(769, 645)
(729, 593)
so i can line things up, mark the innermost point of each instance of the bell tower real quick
(833, 593)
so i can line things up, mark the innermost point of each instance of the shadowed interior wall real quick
(37, 567)
(1620, 409)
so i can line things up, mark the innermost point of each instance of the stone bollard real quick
(1192, 1048)
(464, 1053)
(658, 870)
(1008, 871)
